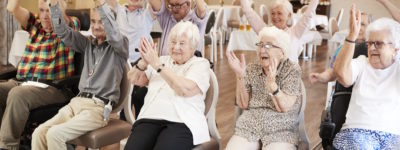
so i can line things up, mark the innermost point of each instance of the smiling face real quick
(180, 49)
(44, 16)
(266, 55)
(179, 9)
(382, 57)
(96, 25)
(279, 17)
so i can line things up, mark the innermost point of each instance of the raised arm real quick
(394, 11)
(201, 8)
(71, 38)
(20, 13)
(304, 23)
(239, 68)
(155, 5)
(254, 19)
(113, 35)
(342, 67)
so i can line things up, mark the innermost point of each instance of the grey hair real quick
(282, 38)
(386, 24)
(188, 29)
(285, 3)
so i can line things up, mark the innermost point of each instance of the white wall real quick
(370, 6)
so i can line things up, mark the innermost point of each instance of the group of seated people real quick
(172, 116)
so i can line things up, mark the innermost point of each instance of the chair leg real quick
(221, 49)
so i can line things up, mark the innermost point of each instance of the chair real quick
(208, 36)
(216, 32)
(211, 104)
(339, 16)
(332, 29)
(116, 129)
(264, 13)
(304, 142)
(210, 110)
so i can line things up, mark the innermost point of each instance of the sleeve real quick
(335, 56)
(291, 83)
(198, 72)
(254, 19)
(199, 20)
(113, 35)
(31, 22)
(357, 66)
(161, 11)
(71, 38)
(304, 23)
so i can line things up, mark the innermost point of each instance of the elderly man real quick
(99, 86)
(168, 14)
(371, 119)
(45, 60)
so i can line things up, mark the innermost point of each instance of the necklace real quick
(94, 62)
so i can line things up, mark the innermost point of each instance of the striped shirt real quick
(45, 55)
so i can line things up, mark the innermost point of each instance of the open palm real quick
(238, 66)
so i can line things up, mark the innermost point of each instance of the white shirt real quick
(161, 102)
(375, 100)
(134, 25)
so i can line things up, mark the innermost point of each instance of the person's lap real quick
(354, 138)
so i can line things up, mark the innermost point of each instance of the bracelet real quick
(137, 67)
(160, 68)
(347, 40)
(275, 92)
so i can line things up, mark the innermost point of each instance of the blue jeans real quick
(364, 139)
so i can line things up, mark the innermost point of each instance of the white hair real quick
(282, 38)
(284, 3)
(389, 25)
(188, 29)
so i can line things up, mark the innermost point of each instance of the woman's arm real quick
(242, 93)
(254, 19)
(305, 21)
(342, 66)
(201, 8)
(394, 11)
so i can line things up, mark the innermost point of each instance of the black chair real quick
(334, 117)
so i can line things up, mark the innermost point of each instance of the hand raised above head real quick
(354, 23)
(98, 3)
(238, 66)
(149, 53)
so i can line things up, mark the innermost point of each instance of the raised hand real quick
(238, 66)
(98, 3)
(149, 54)
(355, 23)
(271, 75)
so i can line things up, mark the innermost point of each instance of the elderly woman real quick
(270, 94)
(372, 120)
(172, 116)
(280, 12)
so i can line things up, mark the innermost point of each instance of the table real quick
(231, 12)
(321, 20)
(242, 40)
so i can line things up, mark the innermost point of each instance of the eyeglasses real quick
(267, 45)
(177, 6)
(377, 44)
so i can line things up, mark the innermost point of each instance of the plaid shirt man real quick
(46, 56)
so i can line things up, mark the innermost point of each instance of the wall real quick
(370, 6)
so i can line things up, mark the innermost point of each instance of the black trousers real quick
(148, 134)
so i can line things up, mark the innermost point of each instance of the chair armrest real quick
(8, 74)
(68, 82)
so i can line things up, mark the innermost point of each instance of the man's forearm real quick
(394, 11)
(201, 8)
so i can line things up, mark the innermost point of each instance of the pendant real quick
(91, 72)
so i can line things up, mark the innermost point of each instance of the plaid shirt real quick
(45, 55)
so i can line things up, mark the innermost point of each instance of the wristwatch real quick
(276, 91)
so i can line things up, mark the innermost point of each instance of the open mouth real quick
(264, 58)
